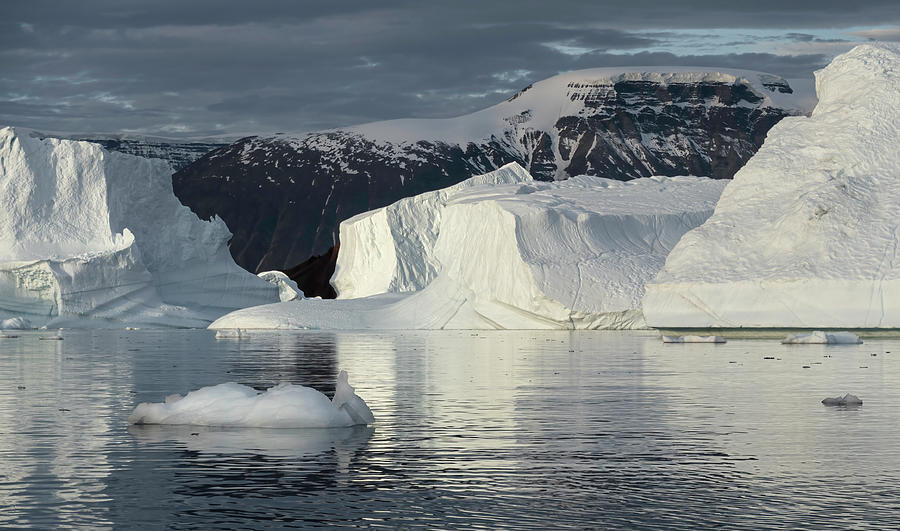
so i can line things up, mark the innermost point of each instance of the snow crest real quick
(89, 237)
(807, 233)
(503, 251)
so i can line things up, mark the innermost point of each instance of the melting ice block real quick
(502, 251)
(98, 239)
(282, 406)
(818, 337)
(807, 234)
(693, 339)
(288, 290)
(846, 400)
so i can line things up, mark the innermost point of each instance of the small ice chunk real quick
(288, 290)
(693, 339)
(232, 333)
(283, 406)
(846, 400)
(15, 323)
(818, 337)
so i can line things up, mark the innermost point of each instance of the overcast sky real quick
(223, 67)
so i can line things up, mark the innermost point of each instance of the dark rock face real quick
(313, 276)
(283, 198)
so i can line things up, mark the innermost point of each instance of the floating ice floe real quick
(846, 400)
(806, 234)
(282, 406)
(693, 339)
(818, 337)
(232, 333)
(502, 251)
(91, 238)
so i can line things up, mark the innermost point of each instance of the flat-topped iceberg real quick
(502, 251)
(807, 234)
(95, 238)
(282, 406)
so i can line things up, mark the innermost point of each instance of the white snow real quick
(502, 251)
(529, 108)
(693, 339)
(287, 288)
(96, 238)
(846, 400)
(282, 406)
(806, 235)
(818, 337)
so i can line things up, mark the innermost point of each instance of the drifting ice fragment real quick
(232, 333)
(819, 337)
(287, 288)
(846, 400)
(693, 339)
(282, 406)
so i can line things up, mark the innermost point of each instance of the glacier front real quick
(95, 238)
(502, 250)
(807, 233)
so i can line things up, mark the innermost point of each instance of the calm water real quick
(501, 429)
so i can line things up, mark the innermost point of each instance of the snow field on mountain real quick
(94, 238)
(499, 254)
(807, 233)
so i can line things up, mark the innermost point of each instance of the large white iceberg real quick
(807, 233)
(93, 238)
(502, 251)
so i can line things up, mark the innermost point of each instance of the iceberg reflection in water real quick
(489, 429)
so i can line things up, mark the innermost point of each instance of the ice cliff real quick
(94, 238)
(806, 235)
(502, 250)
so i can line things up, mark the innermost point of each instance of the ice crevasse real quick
(807, 233)
(502, 251)
(94, 238)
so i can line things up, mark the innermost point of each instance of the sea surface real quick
(477, 430)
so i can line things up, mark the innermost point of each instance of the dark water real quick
(505, 429)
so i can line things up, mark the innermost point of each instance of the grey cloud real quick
(235, 67)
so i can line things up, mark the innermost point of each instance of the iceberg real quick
(807, 233)
(15, 323)
(846, 400)
(91, 238)
(287, 288)
(693, 339)
(502, 251)
(818, 337)
(283, 406)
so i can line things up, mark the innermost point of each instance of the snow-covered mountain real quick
(284, 197)
(94, 238)
(502, 251)
(807, 234)
(178, 153)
